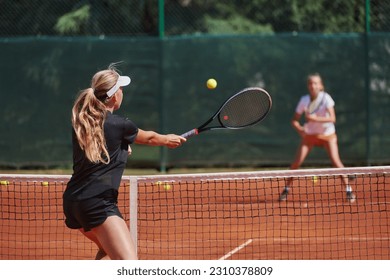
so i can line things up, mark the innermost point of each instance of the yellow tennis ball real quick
(167, 187)
(211, 83)
(315, 179)
(5, 183)
(44, 184)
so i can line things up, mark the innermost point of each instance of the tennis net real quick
(32, 221)
(214, 216)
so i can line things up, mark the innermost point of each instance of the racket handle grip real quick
(190, 133)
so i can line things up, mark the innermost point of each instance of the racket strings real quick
(245, 109)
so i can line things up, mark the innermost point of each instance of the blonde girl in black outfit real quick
(101, 145)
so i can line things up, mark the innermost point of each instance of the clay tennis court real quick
(223, 218)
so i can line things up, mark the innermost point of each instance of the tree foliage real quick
(141, 17)
(72, 22)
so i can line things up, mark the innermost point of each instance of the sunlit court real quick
(228, 138)
(212, 216)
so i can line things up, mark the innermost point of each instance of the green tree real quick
(140, 17)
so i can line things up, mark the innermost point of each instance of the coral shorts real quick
(318, 139)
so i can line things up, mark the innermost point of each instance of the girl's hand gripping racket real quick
(245, 108)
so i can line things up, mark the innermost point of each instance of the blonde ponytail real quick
(88, 115)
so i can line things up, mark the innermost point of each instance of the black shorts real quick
(92, 212)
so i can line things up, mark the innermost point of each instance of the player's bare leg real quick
(101, 254)
(302, 152)
(333, 152)
(115, 239)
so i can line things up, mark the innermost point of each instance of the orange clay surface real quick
(218, 220)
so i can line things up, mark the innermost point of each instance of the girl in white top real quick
(318, 129)
(320, 112)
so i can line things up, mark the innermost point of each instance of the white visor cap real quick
(121, 82)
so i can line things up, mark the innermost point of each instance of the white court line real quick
(235, 250)
(300, 240)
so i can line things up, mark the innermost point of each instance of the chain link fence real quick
(189, 17)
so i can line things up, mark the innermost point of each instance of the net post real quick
(133, 211)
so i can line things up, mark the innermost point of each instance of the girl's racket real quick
(245, 108)
(316, 104)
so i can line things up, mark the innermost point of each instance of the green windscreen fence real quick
(41, 77)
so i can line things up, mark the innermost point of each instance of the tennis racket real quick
(316, 104)
(243, 109)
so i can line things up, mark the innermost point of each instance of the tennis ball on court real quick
(211, 84)
(44, 184)
(167, 187)
(315, 179)
(5, 183)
